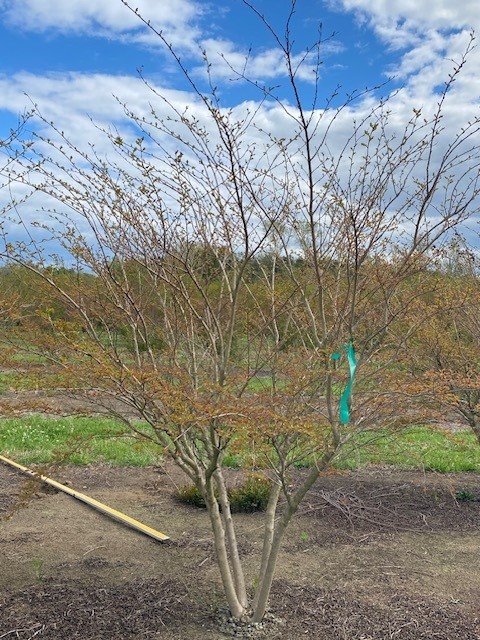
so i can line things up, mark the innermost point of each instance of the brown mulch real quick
(141, 609)
(336, 615)
(59, 611)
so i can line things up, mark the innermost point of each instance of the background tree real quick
(444, 352)
(220, 267)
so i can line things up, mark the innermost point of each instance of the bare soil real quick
(373, 555)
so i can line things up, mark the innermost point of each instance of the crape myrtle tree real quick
(232, 272)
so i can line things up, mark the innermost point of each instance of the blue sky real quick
(47, 48)
(73, 57)
(64, 53)
(93, 43)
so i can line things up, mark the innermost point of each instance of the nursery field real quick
(375, 553)
(279, 296)
(385, 545)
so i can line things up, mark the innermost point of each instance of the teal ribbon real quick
(344, 412)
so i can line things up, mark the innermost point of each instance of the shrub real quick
(190, 494)
(252, 495)
(248, 497)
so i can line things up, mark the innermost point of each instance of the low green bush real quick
(252, 495)
(249, 496)
(190, 494)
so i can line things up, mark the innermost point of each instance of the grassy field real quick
(416, 447)
(80, 440)
(75, 440)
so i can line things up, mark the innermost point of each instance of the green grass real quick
(258, 384)
(416, 447)
(7, 381)
(29, 380)
(29, 358)
(79, 440)
(75, 440)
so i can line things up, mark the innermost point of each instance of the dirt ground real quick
(373, 555)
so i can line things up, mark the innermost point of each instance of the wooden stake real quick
(99, 506)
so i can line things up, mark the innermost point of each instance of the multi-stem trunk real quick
(235, 600)
(231, 539)
(273, 539)
(268, 535)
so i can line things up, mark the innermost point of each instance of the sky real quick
(72, 56)
(76, 59)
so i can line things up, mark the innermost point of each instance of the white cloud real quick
(415, 15)
(434, 37)
(68, 98)
(85, 15)
(81, 104)
(73, 100)
(229, 60)
(176, 18)
(429, 36)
